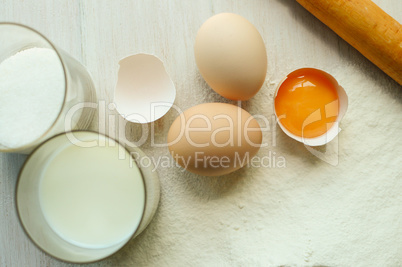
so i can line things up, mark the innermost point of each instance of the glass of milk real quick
(81, 196)
(44, 91)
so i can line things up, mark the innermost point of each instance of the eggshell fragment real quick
(231, 56)
(334, 130)
(214, 139)
(144, 91)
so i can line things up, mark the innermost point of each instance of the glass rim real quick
(62, 106)
(25, 229)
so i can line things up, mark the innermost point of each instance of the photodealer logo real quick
(201, 160)
(114, 126)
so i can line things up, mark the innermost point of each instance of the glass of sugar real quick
(81, 196)
(44, 91)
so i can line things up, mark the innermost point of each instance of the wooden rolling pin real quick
(366, 27)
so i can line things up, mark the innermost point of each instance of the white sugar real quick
(31, 95)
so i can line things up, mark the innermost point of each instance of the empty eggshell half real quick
(331, 132)
(144, 91)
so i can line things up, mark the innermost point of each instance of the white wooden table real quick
(195, 222)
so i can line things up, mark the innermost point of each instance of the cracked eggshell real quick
(144, 91)
(334, 130)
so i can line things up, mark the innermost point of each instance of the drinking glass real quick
(31, 213)
(79, 89)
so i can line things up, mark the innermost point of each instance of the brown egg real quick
(214, 138)
(231, 56)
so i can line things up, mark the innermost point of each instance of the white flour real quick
(307, 214)
(32, 92)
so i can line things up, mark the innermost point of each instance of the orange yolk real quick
(307, 103)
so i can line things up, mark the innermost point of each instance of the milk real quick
(90, 197)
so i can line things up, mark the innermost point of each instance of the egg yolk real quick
(307, 103)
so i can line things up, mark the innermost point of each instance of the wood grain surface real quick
(100, 32)
(366, 27)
